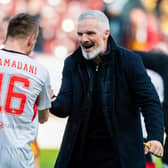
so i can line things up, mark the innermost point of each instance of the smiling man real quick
(104, 88)
(92, 43)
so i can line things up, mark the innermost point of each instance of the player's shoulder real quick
(23, 62)
(41, 69)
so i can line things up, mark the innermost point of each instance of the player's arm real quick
(44, 103)
(43, 115)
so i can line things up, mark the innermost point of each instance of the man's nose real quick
(84, 38)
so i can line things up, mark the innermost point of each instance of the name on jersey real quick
(18, 65)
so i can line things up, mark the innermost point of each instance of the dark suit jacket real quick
(158, 62)
(126, 89)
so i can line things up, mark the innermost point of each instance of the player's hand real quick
(52, 95)
(154, 147)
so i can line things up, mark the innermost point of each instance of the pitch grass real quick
(158, 162)
(48, 156)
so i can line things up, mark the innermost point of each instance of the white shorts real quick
(16, 158)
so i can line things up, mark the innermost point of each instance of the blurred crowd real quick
(135, 24)
(139, 24)
(57, 21)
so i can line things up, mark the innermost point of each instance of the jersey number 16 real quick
(11, 93)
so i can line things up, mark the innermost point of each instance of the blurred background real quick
(134, 24)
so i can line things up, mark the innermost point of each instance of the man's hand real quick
(52, 96)
(154, 147)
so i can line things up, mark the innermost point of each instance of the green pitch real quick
(47, 157)
(158, 162)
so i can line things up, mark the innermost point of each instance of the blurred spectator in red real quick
(143, 32)
(153, 30)
(136, 35)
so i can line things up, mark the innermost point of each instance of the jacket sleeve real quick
(146, 97)
(158, 62)
(61, 107)
(153, 60)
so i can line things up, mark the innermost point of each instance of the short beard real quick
(93, 54)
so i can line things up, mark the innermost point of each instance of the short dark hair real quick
(22, 25)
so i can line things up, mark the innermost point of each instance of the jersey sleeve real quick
(44, 96)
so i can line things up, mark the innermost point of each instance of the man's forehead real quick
(88, 23)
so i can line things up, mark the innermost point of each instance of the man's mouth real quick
(87, 45)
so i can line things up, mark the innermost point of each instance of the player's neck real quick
(15, 45)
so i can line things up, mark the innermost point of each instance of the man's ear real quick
(106, 34)
(31, 39)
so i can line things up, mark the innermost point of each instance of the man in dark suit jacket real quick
(158, 61)
(104, 88)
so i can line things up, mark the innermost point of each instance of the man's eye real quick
(90, 33)
(79, 34)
